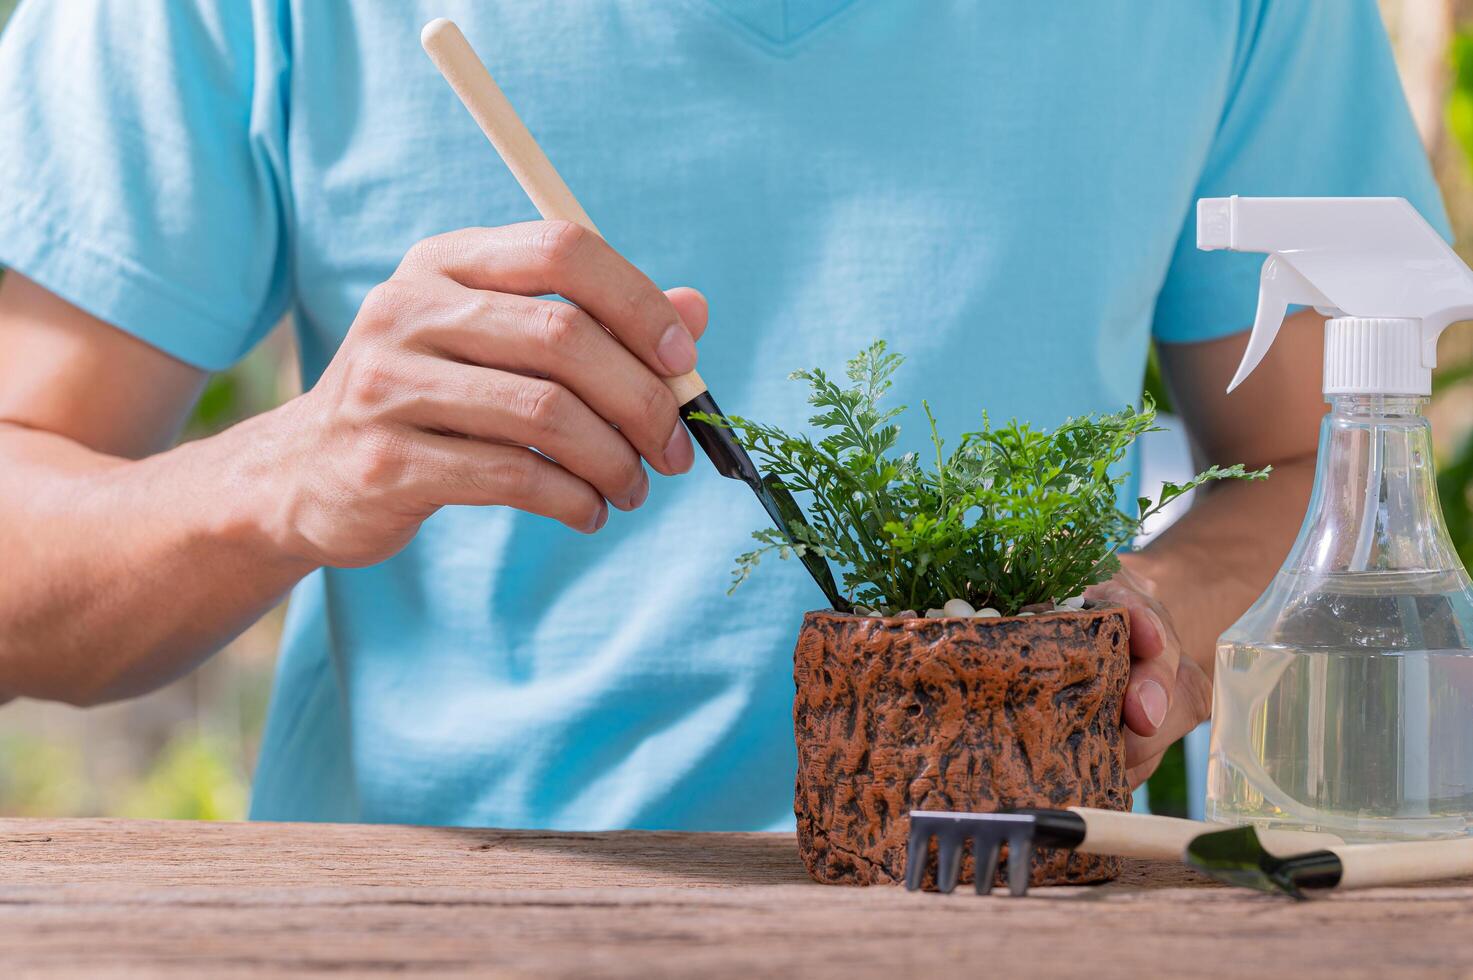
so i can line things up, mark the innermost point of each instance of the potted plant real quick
(972, 673)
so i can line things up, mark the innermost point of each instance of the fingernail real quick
(676, 350)
(600, 520)
(1153, 702)
(1156, 625)
(678, 452)
(642, 494)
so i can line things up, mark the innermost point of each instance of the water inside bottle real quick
(1350, 709)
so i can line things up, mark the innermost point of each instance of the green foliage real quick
(217, 405)
(1155, 383)
(1454, 482)
(249, 387)
(1455, 474)
(42, 778)
(1011, 516)
(1458, 114)
(193, 779)
(1167, 790)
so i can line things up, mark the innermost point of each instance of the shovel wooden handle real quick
(1145, 835)
(1403, 862)
(489, 107)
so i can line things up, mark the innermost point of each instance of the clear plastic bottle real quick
(1344, 696)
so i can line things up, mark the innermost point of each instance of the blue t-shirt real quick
(1003, 190)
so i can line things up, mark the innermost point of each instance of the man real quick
(1004, 191)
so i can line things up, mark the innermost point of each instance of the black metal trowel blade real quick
(732, 462)
(785, 512)
(1237, 857)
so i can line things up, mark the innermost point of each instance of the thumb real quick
(1155, 656)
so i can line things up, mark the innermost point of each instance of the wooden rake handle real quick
(489, 107)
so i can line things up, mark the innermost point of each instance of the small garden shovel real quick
(1237, 856)
(483, 98)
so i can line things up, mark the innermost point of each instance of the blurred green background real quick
(187, 751)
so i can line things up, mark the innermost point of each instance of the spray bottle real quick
(1344, 697)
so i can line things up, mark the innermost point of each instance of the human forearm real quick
(123, 574)
(445, 391)
(1197, 577)
(1208, 567)
(1187, 587)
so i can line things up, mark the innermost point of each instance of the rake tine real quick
(986, 853)
(917, 853)
(948, 860)
(1020, 858)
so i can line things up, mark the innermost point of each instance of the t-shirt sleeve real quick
(142, 167)
(1315, 109)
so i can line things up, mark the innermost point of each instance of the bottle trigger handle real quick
(1279, 285)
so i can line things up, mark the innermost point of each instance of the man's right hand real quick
(457, 385)
(454, 385)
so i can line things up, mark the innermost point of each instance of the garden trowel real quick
(1080, 828)
(467, 75)
(1237, 856)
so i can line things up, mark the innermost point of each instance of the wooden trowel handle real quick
(1403, 862)
(488, 105)
(1145, 835)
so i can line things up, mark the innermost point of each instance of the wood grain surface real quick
(90, 898)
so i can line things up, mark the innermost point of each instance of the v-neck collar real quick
(781, 23)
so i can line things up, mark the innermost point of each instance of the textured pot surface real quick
(953, 714)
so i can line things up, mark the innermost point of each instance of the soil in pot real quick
(896, 715)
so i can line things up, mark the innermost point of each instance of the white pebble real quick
(934, 613)
(1073, 602)
(1027, 614)
(864, 611)
(988, 613)
(958, 607)
(906, 614)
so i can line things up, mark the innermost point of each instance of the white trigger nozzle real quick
(1279, 284)
(1385, 279)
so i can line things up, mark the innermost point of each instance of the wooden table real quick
(146, 898)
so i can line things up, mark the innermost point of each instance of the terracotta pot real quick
(897, 715)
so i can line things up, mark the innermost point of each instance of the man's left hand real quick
(1168, 694)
